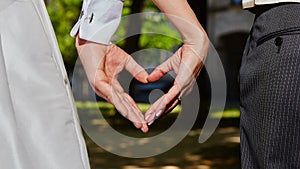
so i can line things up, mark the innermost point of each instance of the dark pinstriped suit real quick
(270, 91)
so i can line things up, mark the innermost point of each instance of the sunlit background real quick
(227, 26)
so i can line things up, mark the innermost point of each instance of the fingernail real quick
(149, 124)
(159, 113)
(147, 117)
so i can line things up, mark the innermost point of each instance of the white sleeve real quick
(98, 21)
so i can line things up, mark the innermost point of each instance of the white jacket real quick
(39, 126)
(99, 20)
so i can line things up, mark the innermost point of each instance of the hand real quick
(103, 64)
(186, 64)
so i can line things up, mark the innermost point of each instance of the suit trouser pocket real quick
(270, 102)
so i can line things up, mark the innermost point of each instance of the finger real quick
(171, 100)
(103, 89)
(160, 70)
(173, 93)
(137, 114)
(134, 114)
(137, 71)
(162, 105)
(117, 86)
(160, 114)
(126, 109)
(155, 110)
(172, 105)
(131, 111)
(124, 104)
(171, 63)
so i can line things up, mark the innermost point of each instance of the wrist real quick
(199, 44)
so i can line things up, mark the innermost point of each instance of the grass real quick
(229, 113)
(109, 110)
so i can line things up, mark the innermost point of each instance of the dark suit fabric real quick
(270, 91)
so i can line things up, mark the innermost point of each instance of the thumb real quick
(137, 71)
(171, 63)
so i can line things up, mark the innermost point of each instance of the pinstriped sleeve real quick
(98, 21)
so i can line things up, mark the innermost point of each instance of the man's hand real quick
(103, 64)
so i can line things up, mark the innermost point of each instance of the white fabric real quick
(39, 126)
(252, 3)
(99, 20)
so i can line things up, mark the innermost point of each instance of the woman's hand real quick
(186, 64)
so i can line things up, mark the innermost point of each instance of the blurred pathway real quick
(221, 151)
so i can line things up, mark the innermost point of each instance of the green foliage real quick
(64, 14)
(168, 38)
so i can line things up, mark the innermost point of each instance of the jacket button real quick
(278, 41)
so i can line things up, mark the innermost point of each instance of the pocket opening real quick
(288, 31)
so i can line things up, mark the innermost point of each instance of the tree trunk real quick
(200, 9)
(134, 25)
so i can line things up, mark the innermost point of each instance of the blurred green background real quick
(221, 151)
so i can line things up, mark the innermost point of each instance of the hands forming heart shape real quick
(103, 64)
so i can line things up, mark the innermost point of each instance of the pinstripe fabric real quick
(270, 91)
